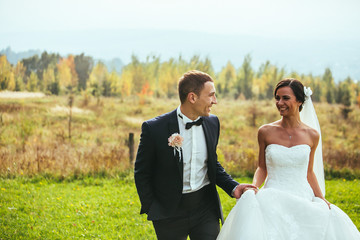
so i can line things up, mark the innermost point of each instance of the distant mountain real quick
(295, 53)
(114, 64)
(14, 57)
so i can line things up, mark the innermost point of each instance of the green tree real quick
(46, 60)
(245, 79)
(83, 67)
(328, 80)
(345, 98)
(31, 64)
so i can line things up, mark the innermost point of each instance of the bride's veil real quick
(309, 117)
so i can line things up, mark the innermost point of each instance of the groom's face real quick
(205, 100)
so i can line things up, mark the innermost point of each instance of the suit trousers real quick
(195, 217)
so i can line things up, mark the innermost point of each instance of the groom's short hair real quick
(192, 81)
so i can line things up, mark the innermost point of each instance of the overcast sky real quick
(302, 35)
(270, 18)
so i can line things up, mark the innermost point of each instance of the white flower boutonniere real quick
(175, 141)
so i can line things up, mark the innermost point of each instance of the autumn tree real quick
(168, 79)
(7, 79)
(226, 79)
(32, 84)
(126, 81)
(19, 73)
(66, 73)
(46, 61)
(138, 74)
(152, 71)
(98, 79)
(202, 65)
(50, 82)
(265, 80)
(114, 81)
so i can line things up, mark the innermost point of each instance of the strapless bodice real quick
(287, 169)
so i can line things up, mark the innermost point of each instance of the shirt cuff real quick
(232, 192)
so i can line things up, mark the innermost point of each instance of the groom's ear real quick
(192, 97)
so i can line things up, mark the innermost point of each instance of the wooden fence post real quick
(131, 147)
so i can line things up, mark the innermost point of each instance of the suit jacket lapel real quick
(210, 138)
(174, 128)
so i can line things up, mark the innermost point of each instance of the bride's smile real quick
(286, 102)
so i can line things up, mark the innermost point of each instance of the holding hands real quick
(241, 188)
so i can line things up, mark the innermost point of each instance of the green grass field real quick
(105, 208)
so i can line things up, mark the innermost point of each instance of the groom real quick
(176, 182)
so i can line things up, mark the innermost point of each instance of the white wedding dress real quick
(286, 208)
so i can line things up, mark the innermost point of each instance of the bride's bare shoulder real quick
(311, 131)
(268, 128)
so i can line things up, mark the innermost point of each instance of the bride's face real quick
(286, 102)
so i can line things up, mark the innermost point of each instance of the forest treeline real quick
(54, 74)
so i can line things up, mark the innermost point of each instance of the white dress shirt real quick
(195, 155)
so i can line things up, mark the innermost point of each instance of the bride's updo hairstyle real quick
(297, 88)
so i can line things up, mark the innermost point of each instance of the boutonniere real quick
(175, 141)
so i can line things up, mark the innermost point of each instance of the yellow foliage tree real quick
(114, 80)
(97, 78)
(67, 75)
(226, 79)
(265, 80)
(48, 77)
(168, 79)
(32, 82)
(19, 72)
(126, 83)
(7, 79)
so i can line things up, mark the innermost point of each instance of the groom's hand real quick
(241, 188)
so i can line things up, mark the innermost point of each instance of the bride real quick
(291, 205)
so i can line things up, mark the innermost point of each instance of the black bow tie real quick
(197, 123)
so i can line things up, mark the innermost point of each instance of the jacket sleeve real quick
(143, 168)
(223, 179)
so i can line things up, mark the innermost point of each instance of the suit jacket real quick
(159, 173)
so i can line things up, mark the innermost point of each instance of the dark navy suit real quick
(159, 173)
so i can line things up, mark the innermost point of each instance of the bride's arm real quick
(311, 177)
(261, 172)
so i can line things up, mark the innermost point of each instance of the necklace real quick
(290, 136)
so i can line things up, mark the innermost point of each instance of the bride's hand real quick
(241, 188)
(327, 202)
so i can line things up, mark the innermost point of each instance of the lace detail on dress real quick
(287, 169)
